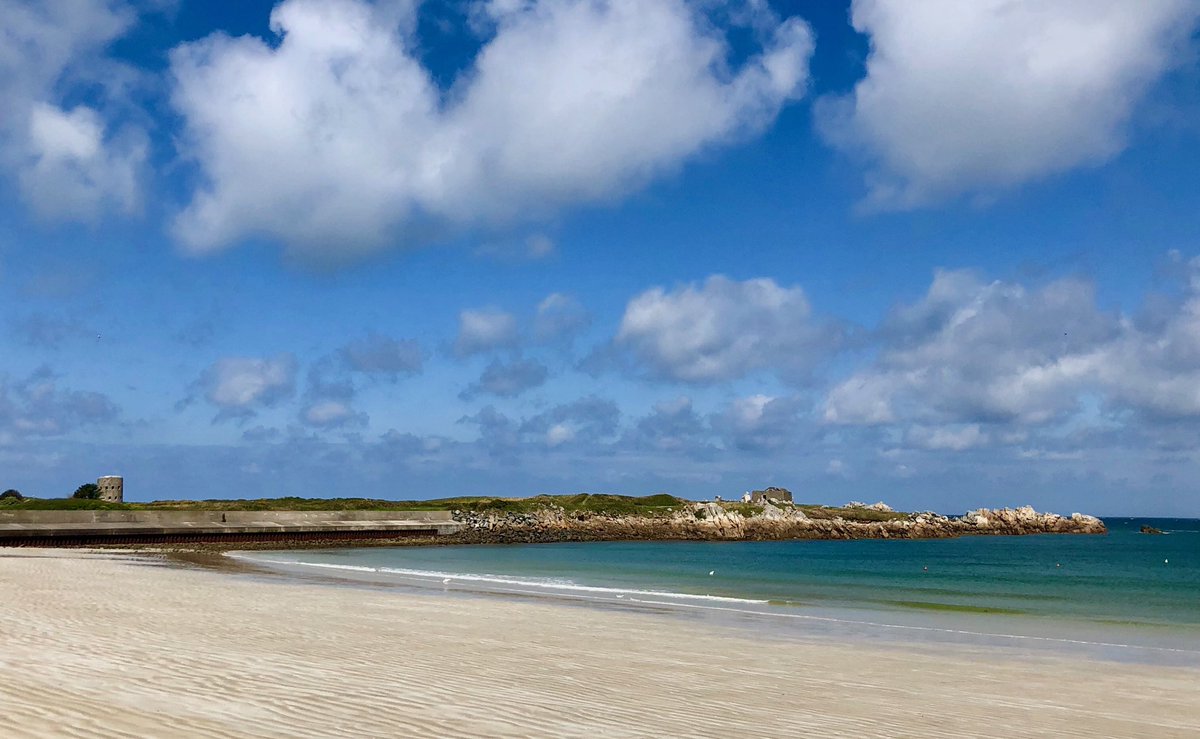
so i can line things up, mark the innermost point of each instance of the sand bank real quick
(94, 645)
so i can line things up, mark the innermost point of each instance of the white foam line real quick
(499, 580)
(922, 628)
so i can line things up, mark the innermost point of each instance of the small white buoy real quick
(711, 573)
(1165, 561)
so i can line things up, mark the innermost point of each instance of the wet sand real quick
(96, 644)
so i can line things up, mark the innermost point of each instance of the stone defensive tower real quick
(112, 488)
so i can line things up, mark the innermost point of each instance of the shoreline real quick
(97, 643)
(1019, 634)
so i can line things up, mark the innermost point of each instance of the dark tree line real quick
(86, 491)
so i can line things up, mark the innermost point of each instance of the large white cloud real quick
(971, 351)
(975, 362)
(334, 139)
(975, 97)
(69, 160)
(722, 329)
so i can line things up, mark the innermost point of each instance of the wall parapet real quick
(192, 517)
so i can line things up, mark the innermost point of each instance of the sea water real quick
(1125, 594)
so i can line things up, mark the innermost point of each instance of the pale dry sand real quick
(96, 646)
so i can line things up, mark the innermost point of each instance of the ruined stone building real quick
(112, 488)
(775, 495)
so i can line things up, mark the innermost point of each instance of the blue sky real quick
(941, 254)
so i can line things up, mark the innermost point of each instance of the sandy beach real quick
(102, 644)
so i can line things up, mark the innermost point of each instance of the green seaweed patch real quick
(786, 603)
(954, 607)
(1137, 623)
(933, 592)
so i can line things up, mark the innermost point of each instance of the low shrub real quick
(87, 491)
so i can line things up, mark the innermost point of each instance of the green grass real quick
(617, 505)
(746, 509)
(850, 514)
(290, 503)
(62, 504)
(819, 512)
(597, 504)
(614, 504)
(583, 503)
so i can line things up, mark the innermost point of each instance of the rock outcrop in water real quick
(714, 521)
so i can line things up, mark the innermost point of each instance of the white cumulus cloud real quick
(975, 97)
(484, 330)
(976, 351)
(331, 413)
(69, 161)
(722, 329)
(559, 434)
(237, 386)
(333, 138)
(559, 317)
(976, 363)
(949, 438)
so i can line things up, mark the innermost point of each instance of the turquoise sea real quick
(1125, 595)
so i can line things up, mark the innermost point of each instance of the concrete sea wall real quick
(196, 518)
(83, 528)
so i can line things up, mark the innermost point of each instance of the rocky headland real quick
(302, 523)
(739, 522)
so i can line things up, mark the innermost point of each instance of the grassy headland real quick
(582, 503)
